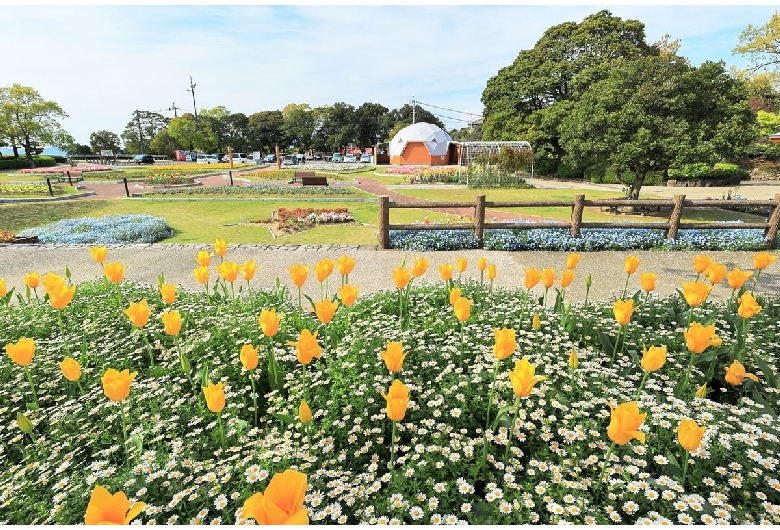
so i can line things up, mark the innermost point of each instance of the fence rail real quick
(576, 224)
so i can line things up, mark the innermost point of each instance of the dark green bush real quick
(9, 162)
(705, 171)
(772, 152)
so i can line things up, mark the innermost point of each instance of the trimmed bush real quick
(9, 162)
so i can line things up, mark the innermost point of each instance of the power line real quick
(450, 110)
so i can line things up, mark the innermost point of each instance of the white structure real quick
(421, 143)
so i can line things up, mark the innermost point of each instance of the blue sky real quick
(102, 62)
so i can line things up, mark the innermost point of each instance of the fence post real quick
(230, 174)
(479, 219)
(70, 182)
(576, 215)
(384, 222)
(48, 183)
(674, 217)
(127, 190)
(774, 220)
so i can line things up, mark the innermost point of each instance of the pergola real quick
(469, 151)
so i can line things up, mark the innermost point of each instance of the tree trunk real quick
(639, 180)
(28, 152)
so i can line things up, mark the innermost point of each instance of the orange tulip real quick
(748, 307)
(647, 279)
(60, 296)
(631, 264)
(325, 310)
(524, 378)
(654, 358)
(572, 261)
(420, 266)
(99, 254)
(52, 282)
(446, 271)
(32, 280)
(203, 258)
(116, 385)
(220, 248)
(689, 435)
(462, 308)
(298, 274)
(548, 278)
(715, 273)
(324, 268)
(532, 277)
(698, 338)
(114, 271)
(461, 264)
(736, 373)
(622, 310)
(394, 356)
(171, 322)
(215, 397)
(248, 270)
(282, 502)
(348, 294)
(762, 260)
(168, 293)
(505, 343)
(625, 422)
(269, 322)
(345, 265)
(228, 270)
(737, 278)
(248, 356)
(482, 264)
(700, 263)
(70, 369)
(695, 293)
(567, 277)
(22, 351)
(3, 288)
(138, 313)
(201, 274)
(304, 412)
(454, 295)
(397, 399)
(307, 346)
(491, 272)
(105, 508)
(401, 277)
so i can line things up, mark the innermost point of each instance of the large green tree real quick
(191, 134)
(29, 121)
(529, 99)
(265, 130)
(141, 129)
(299, 125)
(373, 123)
(652, 113)
(103, 139)
(762, 44)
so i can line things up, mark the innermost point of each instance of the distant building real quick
(775, 137)
(423, 144)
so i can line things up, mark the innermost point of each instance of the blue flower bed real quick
(591, 239)
(103, 230)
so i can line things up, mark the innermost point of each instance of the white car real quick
(349, 157)
(240, 158)
(207, 159)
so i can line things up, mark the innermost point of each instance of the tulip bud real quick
(702, 391)
(574, 362)
(537, 322)
(25, 425)
(304, 412)
(588, 281)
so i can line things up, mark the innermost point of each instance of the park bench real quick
(309, 179)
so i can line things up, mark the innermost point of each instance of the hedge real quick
(9, 162)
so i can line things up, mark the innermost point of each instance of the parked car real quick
(270, 158)
(337, 157)
(240, 158)
(220, 157)
(143, 159)
(365, 158)
(349, 157)
(289, 160)
(207, 159)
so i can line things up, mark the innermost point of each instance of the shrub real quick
(103, 230)
(9, 162)
(772, 152)
(704, 171)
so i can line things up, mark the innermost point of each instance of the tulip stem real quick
(604, 467)
(148, 347)
(81, 388)
(642, 385)
(685, 467)
(392, 453)
(401, 308)
(62, 331)
(221, 431)
(687, 376)
(512, 429)
(615, 349)
(625, 288)
(124, 423)
(32, 386)
(254, 393)
(490, 396)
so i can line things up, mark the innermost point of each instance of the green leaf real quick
(606, 343)
(501, 412)
(32, 406)
(275, 377)
(283, 418)
(185, 364)
(769, 374)
(137, 441)
(67, 274)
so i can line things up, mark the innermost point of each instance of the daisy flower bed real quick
(443, 402)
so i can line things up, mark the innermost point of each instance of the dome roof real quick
(436, 140)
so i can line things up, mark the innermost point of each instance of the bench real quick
(309, 179)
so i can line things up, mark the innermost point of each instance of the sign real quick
(106, 153)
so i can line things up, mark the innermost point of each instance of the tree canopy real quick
(762, 44)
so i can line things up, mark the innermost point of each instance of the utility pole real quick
(414, 108)
(140, 133)
(174, 108)
(192, 89)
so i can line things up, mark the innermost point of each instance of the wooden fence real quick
(672, 225)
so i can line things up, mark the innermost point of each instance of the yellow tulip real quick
(171, 322)
(348, 294)
(269, 322)
(304, 412)
(461, 264)
(698, 338)
(248, 270)
(298, 274)
(624, 423)
(325, 310)
(203, 258)
(491, 272)
(32, 280)
(700, 263)
(736, 373)
(282, 502)
(536, 322)
(572, 261)
(524, 378)
(70, 369)
(715, 273)
(248, 356)
(401, 277)
(307, 346)
(324, 268)
(3, 288)
(201, 274)
(654, 358)
(105, 508)
(394, 356)
(114, 271)
(138, 313)
(168, 293)
(215, 397)
(99, 254)
(689, 435)
(397, 399)
(701, 392)
(748, 307)
(228, 270)
(622, 310)
(22, 351)
(220, 247)
(574, 361)
(631, 264)
(505, 343)
(345, 265)
(532, 277)
(420, 266)
(647, 279)
(60, 296)
(567, 277)
(548, 278)
(764, 259)
(482, 264)
(454, 295)
(462, 308)
(446, 271)
(116, 385)
(737, 278)
(52, 282)
(695, 293)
